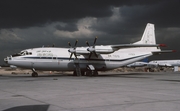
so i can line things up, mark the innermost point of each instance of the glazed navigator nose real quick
(7, 59)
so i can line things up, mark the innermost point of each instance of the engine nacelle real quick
(104, 49)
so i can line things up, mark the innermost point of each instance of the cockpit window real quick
(22, 53)
(26, 53)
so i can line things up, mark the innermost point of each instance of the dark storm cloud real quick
(25, 13)
(67, 27)
(135, 17)
(166, 13)
(33, 23)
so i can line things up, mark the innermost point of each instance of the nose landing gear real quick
(34, 73)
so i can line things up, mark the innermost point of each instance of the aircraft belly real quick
(112, 64)
(54, 65)
(96, 65)
(20, 63)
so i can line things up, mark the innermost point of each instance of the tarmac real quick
(133, 91)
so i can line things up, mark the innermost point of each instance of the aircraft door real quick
(54, 60)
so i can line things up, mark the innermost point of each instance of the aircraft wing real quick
(107, 49)
(169, 65)
(137, 45)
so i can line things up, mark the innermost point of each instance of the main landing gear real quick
(86, 73)
(90, 71)
(34, 73)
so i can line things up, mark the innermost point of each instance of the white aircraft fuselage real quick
(51, 58)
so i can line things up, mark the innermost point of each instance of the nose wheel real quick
(34, 73)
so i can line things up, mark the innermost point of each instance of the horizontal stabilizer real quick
(163, 51)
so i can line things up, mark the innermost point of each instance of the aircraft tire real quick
(151, 70)
(34, 74)
(95, 73)
(74, 73)
(82, 73)
(88, 73)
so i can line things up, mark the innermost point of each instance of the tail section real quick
(148, 35)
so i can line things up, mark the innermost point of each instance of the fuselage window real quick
(27, 53)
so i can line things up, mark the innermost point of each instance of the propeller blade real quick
(90, 55)
(75, 43)
(91, 49)
(75, 55)
(87, 43)
(69, 44)
(72, 50)
(95, 40)
(70, 56)
(95, 54)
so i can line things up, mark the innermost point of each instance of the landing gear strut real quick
(34, 73)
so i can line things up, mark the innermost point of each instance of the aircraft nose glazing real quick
(7, 59)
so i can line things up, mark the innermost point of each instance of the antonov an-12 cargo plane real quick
(87, 60)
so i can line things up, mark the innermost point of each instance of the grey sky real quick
(33, 23)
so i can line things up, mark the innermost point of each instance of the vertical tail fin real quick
(148, 35)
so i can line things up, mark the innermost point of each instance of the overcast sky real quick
(34, 23)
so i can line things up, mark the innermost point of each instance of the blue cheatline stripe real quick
(65, 58)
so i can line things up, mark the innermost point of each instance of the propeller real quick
(72, 50)
(91, 49)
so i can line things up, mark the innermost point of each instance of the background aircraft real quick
(87, 60)
(157, 63)
(165, 63)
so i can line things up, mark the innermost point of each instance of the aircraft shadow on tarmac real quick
(169, 80)
(129, 75)
(29, 108)
(126, 75)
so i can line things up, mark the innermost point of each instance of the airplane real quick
(90, 59)
(156, 63)
(165, 63)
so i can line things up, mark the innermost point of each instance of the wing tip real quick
(162, 45)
